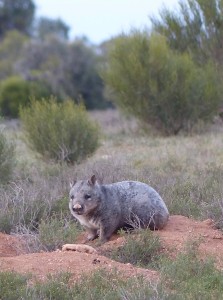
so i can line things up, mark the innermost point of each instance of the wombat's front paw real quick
(91, 237)
(103, 240)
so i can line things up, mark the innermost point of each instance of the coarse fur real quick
(103, 209)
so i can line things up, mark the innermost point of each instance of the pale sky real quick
(99, 20)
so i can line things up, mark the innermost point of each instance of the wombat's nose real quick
(78, 208)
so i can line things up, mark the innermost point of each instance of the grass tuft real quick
(142, 248)
(190, 277)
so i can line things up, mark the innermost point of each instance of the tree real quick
(11, 50)
(159, 86)
(83, 73)
(57, 28)
(16, 15)
(70, 70)
(45, 61)
(197, 28)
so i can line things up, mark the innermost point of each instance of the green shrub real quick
(12, 286)
(189, 277)
(160, 87)
(56, 231)
(60, 131)
(39, 89)
(60, 207)
(55, 287)
(7, 158)
(183, 200)
(110, 285)
(98, 285)
(5, 222)
(141, 249)
(14, 91)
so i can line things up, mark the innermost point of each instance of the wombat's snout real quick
(77, 208)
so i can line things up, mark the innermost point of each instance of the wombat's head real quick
(84, 196)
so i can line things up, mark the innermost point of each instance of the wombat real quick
(103, 209)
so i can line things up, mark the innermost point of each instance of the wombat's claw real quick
(90, 238)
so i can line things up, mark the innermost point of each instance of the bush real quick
(141, 249)
(98, 285)
(60, 208)
(5, 222)
(189, 277)
(55, 231)
(159, 86)
(55, 287)
(7, 158)
(12, 285)
(14, 91)
(60, 131)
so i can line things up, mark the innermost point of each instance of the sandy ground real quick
(178, 231)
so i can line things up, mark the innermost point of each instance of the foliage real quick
(196, 28)
(57, 231)
(14, 91)
(70, 70)
(189, 277)
(98, 285)
(5, 222)
(16, 14)
(45, 61)
(55, 287)
(46, 27)
(11, 51)
(32, 198)
(60, 131)
(159, 86)
(15, 216)
(110, 285)
(141, 248)
(60, 208)
(7, 158)
(12, 286)
(83, 73)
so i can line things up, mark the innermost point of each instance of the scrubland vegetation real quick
(166, 131)
(185, 170)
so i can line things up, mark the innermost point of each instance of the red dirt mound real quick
(174, 236)
(11, 245)
(76, 263)
(180, 229)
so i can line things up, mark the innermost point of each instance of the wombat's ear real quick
(93, 180)
(72, 183)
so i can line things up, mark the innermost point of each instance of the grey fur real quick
(105, 208)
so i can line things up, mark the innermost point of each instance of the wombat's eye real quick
(87, 196)
(72, 197)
